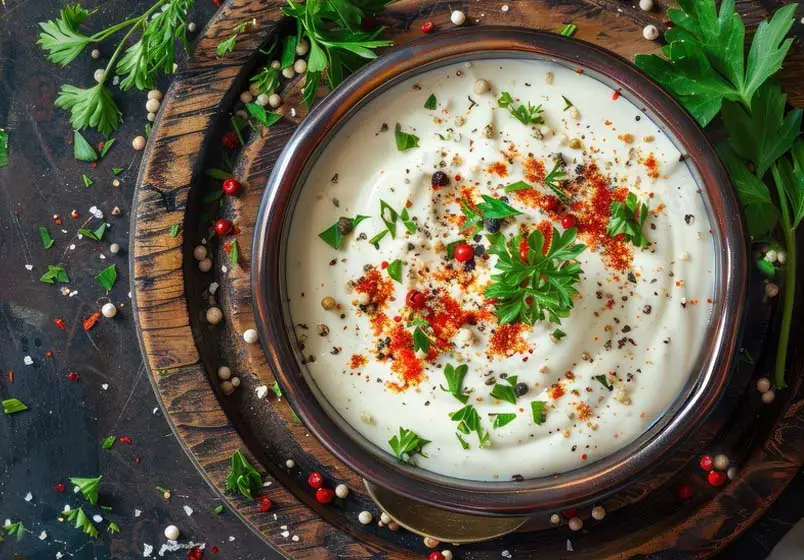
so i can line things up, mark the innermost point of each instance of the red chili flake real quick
(229, 140)
(72, 376)
(616, 95)
(716, 478)
(498, 168)
(397, 318)
(137, 460)
(265, 504)
(507, 340)
(74, 214)
(94, 165)
(652, 166)
(584, 457)
(90, 321)
(384, 264)
(457, 176)
(48, 354)
(684, 492)
(10, 376)
(125, 439)
(58, 487)
(214, 549)
(357, 361)
(706, 462)
(195, 553)
(427, 27)
(57, 221)
(59, 322)
(570, 513)
(378, 289)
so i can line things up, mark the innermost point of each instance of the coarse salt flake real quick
(42, 535)
(188, 510)
(97, 518)
(147, 549)
(261, 391)
(105, 386)
(27, 360)
(137, 512)
(28, 497)
(28, 267)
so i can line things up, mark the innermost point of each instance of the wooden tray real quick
(183, 352)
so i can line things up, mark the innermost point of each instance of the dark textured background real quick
(61, 435)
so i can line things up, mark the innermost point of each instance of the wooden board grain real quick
(183, 352)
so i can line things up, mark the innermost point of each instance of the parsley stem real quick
(789, 284)
(101, 35)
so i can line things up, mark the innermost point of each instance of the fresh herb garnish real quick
(495, 208)
(395, 270)
(377, 238)
(628, 218)
(82, 521)
(518, 186)
(407, 445)
(568, 30)
(234, 253)
(455, 377)
(526, 114)
(88, 487)
(603, 380)
(107, 277)
(117, 170)
(404, 141)
(267, 80)
(277, 390)
(431, 102)
(558, 334)
(334, 234)
(107, 145)
(541, 288)
(243, 477)
(567, 103)
(420, 340)
(95, 235)
(288, 52)
(537, 410)
(3, 148)
(705, 62)
(263, 117)
(502, 419)
(14, 530)
(463, 442)
(174, 230)
(469, 422)
(108, 442)
(218, 509)
(82, 151)
(13, 406)
(87, 180)
(227, 45)
(113, 528)
(505, 391)
(153, 52)
(390, 217)
(47, 240)
(55, 274)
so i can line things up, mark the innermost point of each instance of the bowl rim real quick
(576, 487)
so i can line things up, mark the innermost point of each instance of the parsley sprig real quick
(454, 376)
(468, 420)
(153, 52)
(243, 477)
(490, 208)
(541, 288)
(628, 218)
(707, 70)
(407, 445)
(526, 114)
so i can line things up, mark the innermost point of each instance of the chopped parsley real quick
(265, 118)
(174, 230)
(407, 445)
(117, 170)
(568, 30)
(567, 103)
(243, 477)
(113, 527)
(82, 521)
(420, 340)
(14, 530)
(88, 487)
(469, 422)
(503, 419)
(537, 409)
(558, 334)
(490, 208)
(82, 150)
(108, 442)
(628, 218)
(55, 274)
(87, 180)
(390, 217)
(277, 389)
(454, 376)
(3, 147)
(13, 406)
(227, 45)
(557, 174)
(505, 391)
(395, 270)
(431, 102)
(518, 186)
(334, 234)
(47, 240)
(96, 234)
(404, 141)
(603, 380)
(526, 114)
(234, 253)
(107, 145)
(107, 277)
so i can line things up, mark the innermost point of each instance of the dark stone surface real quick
(61, 435)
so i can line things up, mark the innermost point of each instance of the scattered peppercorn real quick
(223, 226)
(440, 179)
(492, 225)
(324, 495)
(315, 480)
(231, 186)
(521, 389)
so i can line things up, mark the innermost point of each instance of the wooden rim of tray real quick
(167, 300)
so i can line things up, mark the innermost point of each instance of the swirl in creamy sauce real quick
(639, 320)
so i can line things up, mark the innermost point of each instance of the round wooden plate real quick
(183, 352)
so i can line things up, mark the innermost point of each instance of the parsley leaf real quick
(82, 521)
(227, 45)
(264, 117)
(503, 419)
(91, 107)
(243, 477)
(495, 208)
(47, 240)
(628, 218)
(603, 380)
(61, 38)
(107, 277)
(407, 445)
(88, 487)
(108, 442)
(541, 288)
(113, 527)
(791, 178)
(505, 392)
(537, 410)
(267, 80)
(234, 253)
(568, 30)
(3, 148)
(455, 376)
(395, 270)
(431, 102)
(469, 422)
(334, 234)
(420, 340)
(404, 141)
(14, 530)
(95, 235)
(174, 230)
(107, 145)
(13, 406)
(82, 151)
(526, 114)
(754, 195)
(518, 186)
(55, 274)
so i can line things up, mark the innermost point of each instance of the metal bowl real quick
(576, 487)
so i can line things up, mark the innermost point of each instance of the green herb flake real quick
(3, 148)
(117, 170)
(377, 238)
(469, 422)
(462, 441)
(107, 277)
(13, 406)
(108, 442)
(407, 445)
(538, 412)
(219, 509)
(404, 141)
(603, 380)
(395, 270)
(277, 390)
(567, 103)
(14, 530)
(288, 52)
(526, 114)
(503, 419)
(174, 230)
(551, 181)
(628, 218)
(558, 334)
(495, 208)
(82, 521)
(262, 116)
(504, 393)
(96, 234)
(82, 150)
(431, 102)
(420, 340)
(87, 180)
(234, 253)
(454, 377)
(568, 30)
(518, 186)
(334, 235)
(107, 145)
(47, 240)
(55, 274)
(113, 528)
(227, 45)
(88, 487)
(243, 477)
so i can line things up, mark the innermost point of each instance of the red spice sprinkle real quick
(427, 27)
(507, 340)
(90, 321)
(195, 553)
(457, 177)
(265, 504)
(74, 214)
(126, 440)
(498, 168)
(59, 323)
(652, 166)
(384, 264)
(357, 361)
(214, 549)
(230, 140)
(10, 376)
(435, 555)
(58, 487)
(72, 376)
(137, 460)
(94, 165)
(48, 354)
(616, 95)
(406, 365)
(378, 289)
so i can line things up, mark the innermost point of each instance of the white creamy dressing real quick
(650, 354)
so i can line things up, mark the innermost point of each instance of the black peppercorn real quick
(440, 179)
(478, 249)
(345, 226)
(469, 265)
(521, 389)
(492, 225)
